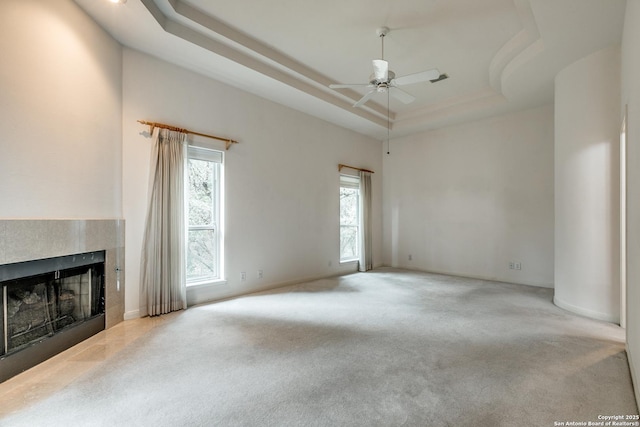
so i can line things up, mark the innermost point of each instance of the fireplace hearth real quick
(49, 305)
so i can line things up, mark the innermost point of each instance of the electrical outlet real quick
(512, 265)
(410, 257)
(260, 274)
(518, 266)
(243, 275)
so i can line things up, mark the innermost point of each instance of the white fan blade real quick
(343, 86)
(381, 69)
(401, 95)
(364, 98)
(422, 76)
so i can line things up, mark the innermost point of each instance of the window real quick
(349, 217)
(204, 216)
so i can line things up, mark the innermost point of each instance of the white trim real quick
(623, 220)
(475, 276)
(202, 153)
(349, 181)
(585, 312)
(207, 283)
(133, 314)
(352, 183)
(217, 158)
(196, 298)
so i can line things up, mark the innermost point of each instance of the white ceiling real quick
(500, 55)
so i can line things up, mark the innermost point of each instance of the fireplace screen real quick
(41, 305)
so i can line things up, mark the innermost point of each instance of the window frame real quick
(351, 182)
(216, 157)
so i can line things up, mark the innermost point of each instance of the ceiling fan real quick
(384, 80)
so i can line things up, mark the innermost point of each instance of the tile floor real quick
(52, 375)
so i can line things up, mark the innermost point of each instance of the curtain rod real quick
(153, 125)
(340, 166)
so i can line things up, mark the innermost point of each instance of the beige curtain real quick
(366, 252)
(162, 287)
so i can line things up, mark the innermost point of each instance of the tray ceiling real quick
(500, 55)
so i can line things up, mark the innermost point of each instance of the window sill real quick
(347, 261)
(206, 284)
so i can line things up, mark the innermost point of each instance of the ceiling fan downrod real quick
(381, 32)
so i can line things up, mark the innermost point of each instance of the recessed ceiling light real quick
(118, 1)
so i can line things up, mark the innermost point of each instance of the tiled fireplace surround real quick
(26, 240)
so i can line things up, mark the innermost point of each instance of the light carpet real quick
(382, 348)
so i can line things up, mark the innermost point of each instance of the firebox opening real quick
(45, 312)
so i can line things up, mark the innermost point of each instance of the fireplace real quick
(49, 305)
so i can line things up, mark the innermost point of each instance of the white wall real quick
(60, 113)
(281, 179)
(468, 199)
(631, 97)
(587, 202)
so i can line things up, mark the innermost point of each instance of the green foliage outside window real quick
(349, 220)
(201, 242)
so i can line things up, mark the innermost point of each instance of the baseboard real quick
(476, 276)
(634, 377)
(273, 286)
(592, 314)
(310, 279)
(133, 314)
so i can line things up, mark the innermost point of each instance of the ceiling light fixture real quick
(384, 80)
(118, 1)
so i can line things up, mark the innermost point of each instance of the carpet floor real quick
(382, 348)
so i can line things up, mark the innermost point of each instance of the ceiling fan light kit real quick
(383, 79)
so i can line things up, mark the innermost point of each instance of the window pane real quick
(348, 242)
(349, 223)
(201, 256)
(203, 205)
(348, 206)
(201, 192)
